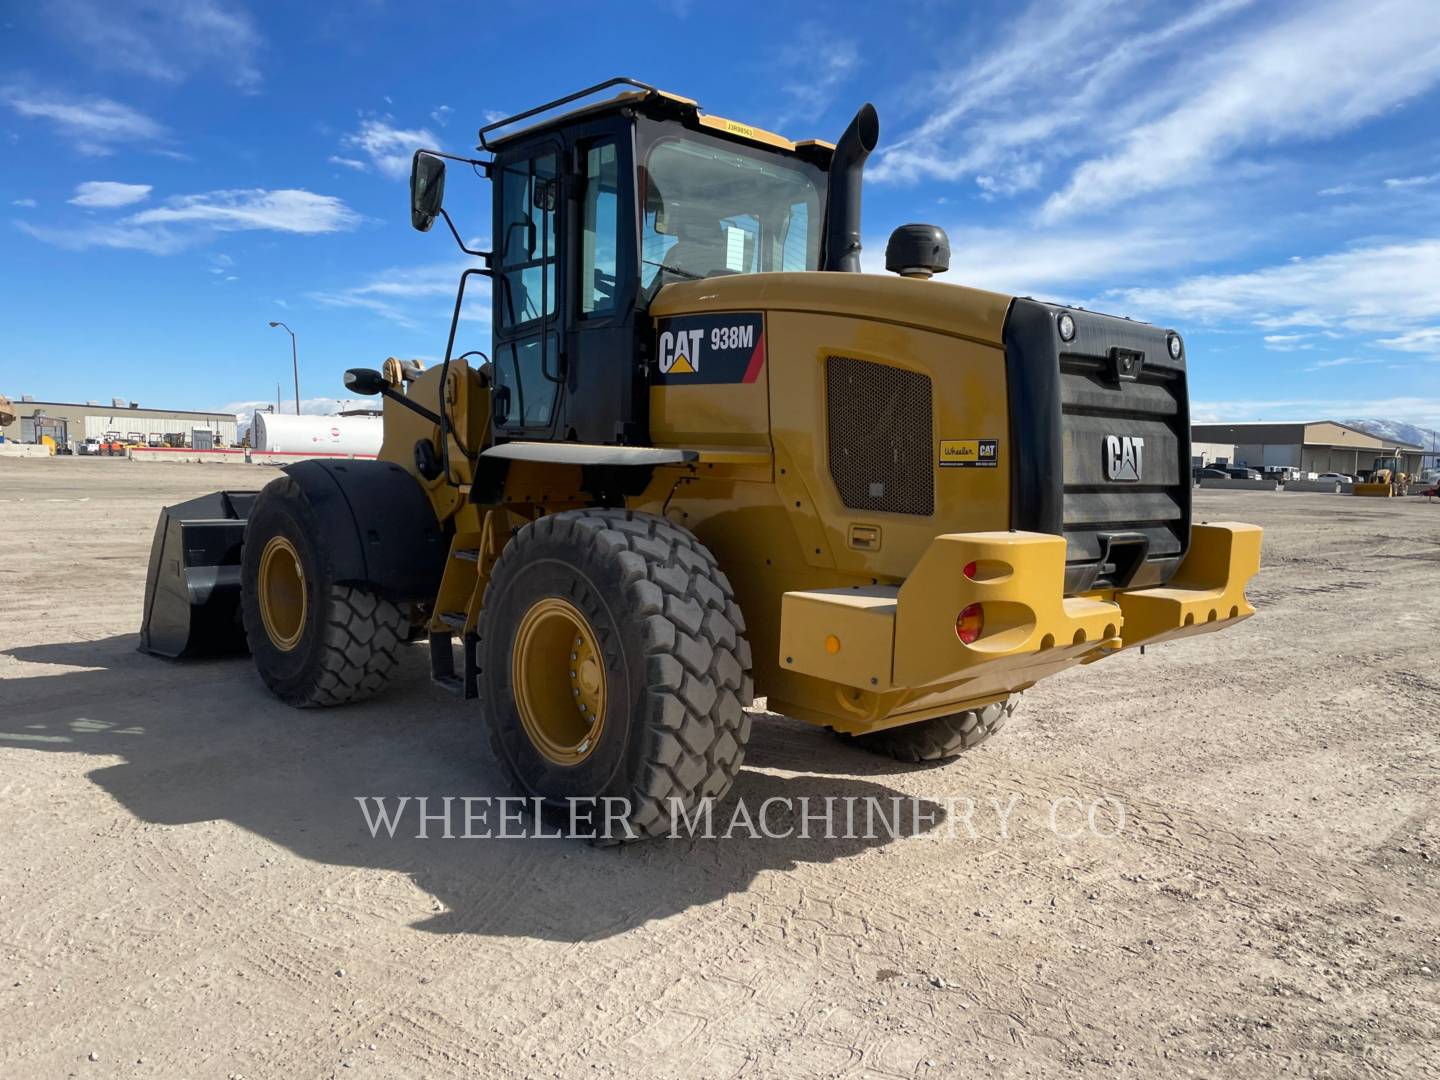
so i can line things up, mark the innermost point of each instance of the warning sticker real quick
(969, 453)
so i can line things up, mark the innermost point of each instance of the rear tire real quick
(659, 652)
(315, 642)
(940, 738)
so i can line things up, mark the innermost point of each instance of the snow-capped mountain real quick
(1399, 431)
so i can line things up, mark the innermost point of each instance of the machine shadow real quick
(204, 741)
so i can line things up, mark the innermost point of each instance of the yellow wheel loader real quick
(702, 457)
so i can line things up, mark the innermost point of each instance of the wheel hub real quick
(282, 593)
(557, 676)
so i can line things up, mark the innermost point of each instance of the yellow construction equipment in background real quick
(700, 457)
(1386, 478)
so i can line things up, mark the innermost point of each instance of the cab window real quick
(599, 233)
(710, 210)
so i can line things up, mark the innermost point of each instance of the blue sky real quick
(1264, 176)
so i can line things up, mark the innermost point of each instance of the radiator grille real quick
(879, 427)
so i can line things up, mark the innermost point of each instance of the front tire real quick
(315, 642)
(614, 665)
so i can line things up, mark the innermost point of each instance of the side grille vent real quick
(881, 444)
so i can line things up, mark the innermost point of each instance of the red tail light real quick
(970, 570)
(970, 623)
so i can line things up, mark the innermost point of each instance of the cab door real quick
(528, 292)
(606, 393)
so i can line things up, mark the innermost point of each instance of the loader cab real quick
(595, 210)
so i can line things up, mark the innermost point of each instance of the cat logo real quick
(680, 351)
(1124, 455)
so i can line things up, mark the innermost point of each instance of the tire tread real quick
(697, 661)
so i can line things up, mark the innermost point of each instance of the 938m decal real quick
(696, 349)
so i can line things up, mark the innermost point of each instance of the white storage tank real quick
(279, 432)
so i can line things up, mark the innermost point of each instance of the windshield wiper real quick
(675, 270)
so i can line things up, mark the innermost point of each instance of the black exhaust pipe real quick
(842, 212)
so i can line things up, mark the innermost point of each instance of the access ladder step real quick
(453, 619)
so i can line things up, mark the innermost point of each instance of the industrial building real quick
(1317, 446)
(71, 423)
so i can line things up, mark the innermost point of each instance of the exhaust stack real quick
(842, 214)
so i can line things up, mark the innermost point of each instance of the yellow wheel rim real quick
(558, 678)
(282, 593)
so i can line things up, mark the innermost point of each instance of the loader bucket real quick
(192, 593)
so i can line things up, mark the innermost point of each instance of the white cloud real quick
(817, 63)
(1386, 288)
(349, 163)
(388, 147)
(1056, 77)
(83, 237)
(317, 406)
(1067, 259)
(29, 204)
(98, 194)
(1339, 189)
(395, 294)
(1424, 339)
(1412, 181)
(1415, 410)
(1264, 89)
(94, 122)
(441, 114)
(162, 40)
(1342, 361)
(187, 220)
(1022, 176)
(1288, 342)
(286, 210)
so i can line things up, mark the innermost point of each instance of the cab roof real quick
(651, 101)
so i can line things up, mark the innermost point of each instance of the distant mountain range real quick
(1399, 431)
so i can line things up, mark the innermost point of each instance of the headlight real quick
(1067, 327)
(1176, 348)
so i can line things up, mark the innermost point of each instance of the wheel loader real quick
(701, 457)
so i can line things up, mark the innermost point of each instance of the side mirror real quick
(545, 193)
(364, 381)
(427, 189)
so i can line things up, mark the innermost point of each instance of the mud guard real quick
(192, 590)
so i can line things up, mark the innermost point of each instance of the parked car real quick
(1336, 477)
(1211, 474)
(1239, 472)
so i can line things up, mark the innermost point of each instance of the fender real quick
(377, 525)
(606, 472)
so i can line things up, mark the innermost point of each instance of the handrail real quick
(619, 80)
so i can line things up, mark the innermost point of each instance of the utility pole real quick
(295, 360)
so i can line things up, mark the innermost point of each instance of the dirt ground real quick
(188, 888)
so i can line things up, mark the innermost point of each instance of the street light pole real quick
(295, 360)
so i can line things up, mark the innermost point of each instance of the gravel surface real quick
(188, 887)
